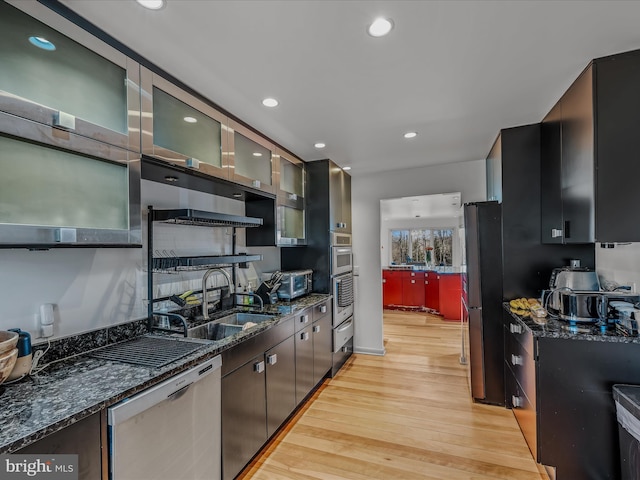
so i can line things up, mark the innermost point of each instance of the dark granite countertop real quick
(76, 388)
(550, 327)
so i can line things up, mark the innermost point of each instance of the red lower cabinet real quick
(413, 289)
(432, 290)
(450, 296)
(391, 287)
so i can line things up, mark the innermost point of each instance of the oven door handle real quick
(346, 325)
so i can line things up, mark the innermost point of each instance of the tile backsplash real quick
(620, 264)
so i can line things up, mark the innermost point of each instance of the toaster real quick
(571, 280)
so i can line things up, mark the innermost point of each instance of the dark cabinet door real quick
(244, 416)
(304, 363)
(618, 148)
(578, 194)
(281, 383)
(82, 438)
(551, 176)
(322, 340)
(339, 199)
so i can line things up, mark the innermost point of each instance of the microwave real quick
(293, 284)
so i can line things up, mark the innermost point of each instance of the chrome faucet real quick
(254, 295)
(166, 326)
(205, 295)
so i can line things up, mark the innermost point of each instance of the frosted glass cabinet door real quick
(292, 180)
(251, 159)
(50, 78)
(181, 129)
(291, 229)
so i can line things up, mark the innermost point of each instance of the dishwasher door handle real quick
(178, 393)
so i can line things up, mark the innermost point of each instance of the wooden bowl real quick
(7, 362)
(8, 341)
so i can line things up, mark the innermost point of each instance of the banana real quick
(186, 294)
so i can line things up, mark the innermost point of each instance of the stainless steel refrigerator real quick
(483, 236)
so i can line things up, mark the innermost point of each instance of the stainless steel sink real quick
(226, 326)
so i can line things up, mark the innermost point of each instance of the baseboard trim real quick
(370, 351)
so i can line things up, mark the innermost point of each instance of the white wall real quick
(438, 223)
(620, 264)
(96, 288)
(367, 191)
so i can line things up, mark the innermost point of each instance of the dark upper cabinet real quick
(339, 199)
(494, 173)
(590, 149)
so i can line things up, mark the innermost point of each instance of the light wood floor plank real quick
(405, 415)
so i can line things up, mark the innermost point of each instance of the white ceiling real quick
(454, 71)
(445, 205)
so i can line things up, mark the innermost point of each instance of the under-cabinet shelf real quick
(179, 264)
(188, 216)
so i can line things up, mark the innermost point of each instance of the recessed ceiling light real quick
(257, 154)
(270, 102)
(190, 120)
(172, 179)
(42, 43)
(380, 27)
(237, 195)
(151, 4)
(410, 134)
(319, 145)
(346, 168)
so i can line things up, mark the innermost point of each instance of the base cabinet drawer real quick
(523, 410)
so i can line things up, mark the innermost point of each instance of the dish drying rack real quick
(168, 262)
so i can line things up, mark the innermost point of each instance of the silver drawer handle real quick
(323, 309)
(304, 336)
(517, 402)
(316, 329)
(345, 326)
(514, 328)
(304, 318)
(517, 360)
(258, 367)
(272, 359)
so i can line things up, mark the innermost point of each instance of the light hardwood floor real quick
(407, 415)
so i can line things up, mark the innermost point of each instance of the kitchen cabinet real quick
(560, 390)
(432, 290)
(244, 414)
(322, 340)
(290, 199)
(280, 383)
(339, 199)
(251, 159)
(50, 78)
(494, 173)
(182, 129)
(590, 137)
(85, 439)
(450, 291)
(304, 363)
(413, 288)
(391, 287)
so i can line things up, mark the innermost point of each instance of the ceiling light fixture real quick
(42, 43)
(151, 4)
(411, 135)
(319, 145)
(346, 168)
(190, 120)
(237, 195)
(380, 27)
(257, 154)
(270, 102)
(172, 179)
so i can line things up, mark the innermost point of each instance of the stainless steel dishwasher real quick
(170, 431)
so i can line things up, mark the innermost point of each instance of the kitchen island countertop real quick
(75, 388)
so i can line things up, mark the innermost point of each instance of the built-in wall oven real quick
(343, 298)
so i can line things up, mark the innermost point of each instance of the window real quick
(427, 246)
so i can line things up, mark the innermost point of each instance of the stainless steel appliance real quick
(483, 230)
(342, 298)
(171, 430)
(293, 284)
(587, 306)
(341, 260)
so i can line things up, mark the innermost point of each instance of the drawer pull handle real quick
(517, 360)
(323, 309)
(304, 318)
(316, 329)
(304, 336)
(515, 328)
(517, 402)
(258, 367)
(272, 359)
